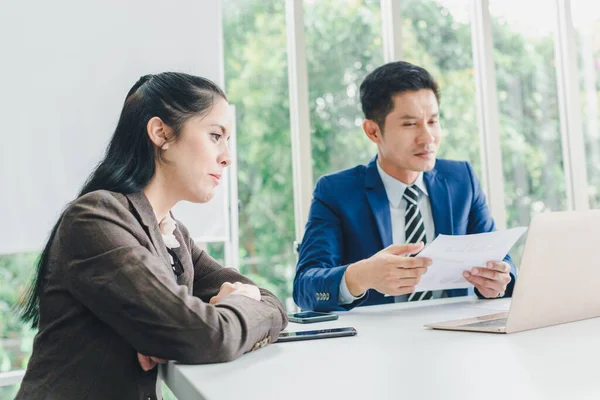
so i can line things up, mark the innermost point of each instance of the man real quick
(367, 221)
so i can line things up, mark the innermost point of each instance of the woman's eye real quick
(433, 122)
(216, 136)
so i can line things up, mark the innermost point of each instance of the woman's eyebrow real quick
(220, 126)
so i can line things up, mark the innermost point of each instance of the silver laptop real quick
(559, 277)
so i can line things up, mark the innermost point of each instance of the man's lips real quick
(424, 153)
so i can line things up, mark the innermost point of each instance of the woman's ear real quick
(158, 133)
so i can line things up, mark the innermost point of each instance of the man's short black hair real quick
(378, 88)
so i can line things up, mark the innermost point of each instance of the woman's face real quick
(196, 161)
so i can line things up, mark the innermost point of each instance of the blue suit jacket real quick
(349, 221)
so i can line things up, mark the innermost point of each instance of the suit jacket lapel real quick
(441, 202)
(378, 200)
(147, 218)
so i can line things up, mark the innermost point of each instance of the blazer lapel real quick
(183, 252)
(378, 200)
(147, 218)
(441, 202)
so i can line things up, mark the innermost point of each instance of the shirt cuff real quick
(345, 295)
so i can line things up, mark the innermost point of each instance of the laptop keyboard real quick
(492, 323)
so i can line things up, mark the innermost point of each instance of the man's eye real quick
(409, 124)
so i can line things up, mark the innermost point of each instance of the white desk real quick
(395, 357)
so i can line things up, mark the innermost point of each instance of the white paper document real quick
(451, 255)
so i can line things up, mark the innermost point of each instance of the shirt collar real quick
(395, 188)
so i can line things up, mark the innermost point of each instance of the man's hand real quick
(389, 271)
(147, 363)
(228, 288)
(491, 280)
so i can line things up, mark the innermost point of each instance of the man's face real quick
(411, 134)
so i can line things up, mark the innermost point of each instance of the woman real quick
(120, 284)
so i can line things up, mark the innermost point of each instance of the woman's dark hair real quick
(129, 161)
(378, 88)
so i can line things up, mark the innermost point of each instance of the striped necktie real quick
(414, 226)
(414, 229)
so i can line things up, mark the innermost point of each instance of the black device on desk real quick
(316, 334)
(307, 317)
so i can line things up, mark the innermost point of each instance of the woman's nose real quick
(225, 157)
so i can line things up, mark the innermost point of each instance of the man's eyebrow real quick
(408, 117)
(413, 117)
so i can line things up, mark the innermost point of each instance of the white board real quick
(67, 66)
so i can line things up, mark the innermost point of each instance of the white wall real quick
(65, 68)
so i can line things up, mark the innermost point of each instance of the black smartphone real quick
(317, 334)
(307, 317)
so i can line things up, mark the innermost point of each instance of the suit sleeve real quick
(319, 273)
(481, 221)
(123, 284)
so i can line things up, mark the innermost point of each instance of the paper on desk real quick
(451, 255)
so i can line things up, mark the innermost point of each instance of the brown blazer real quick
(110, 292)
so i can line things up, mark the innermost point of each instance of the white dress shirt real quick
(395, 194)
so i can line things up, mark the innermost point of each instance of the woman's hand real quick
(228, 288)
(147, 362)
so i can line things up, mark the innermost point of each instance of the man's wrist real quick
(354, 282)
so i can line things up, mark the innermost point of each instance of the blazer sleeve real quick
(318, 273)
(123, 284)
(481, 221)
(209, 275)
